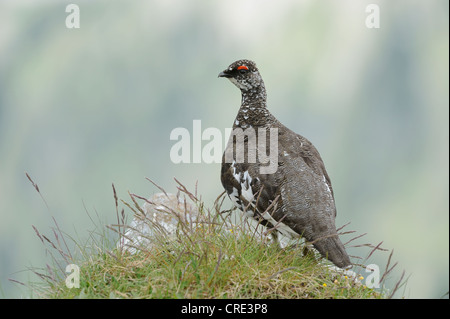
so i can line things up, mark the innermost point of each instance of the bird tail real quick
(332, 248)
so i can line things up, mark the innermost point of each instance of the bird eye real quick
(242, 69)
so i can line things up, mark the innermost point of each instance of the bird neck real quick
(254, 96)
(253, 111)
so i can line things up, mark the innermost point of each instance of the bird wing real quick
(298, 160)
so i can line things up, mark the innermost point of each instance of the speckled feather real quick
(301, 186)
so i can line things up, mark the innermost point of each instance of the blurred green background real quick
(83, 108)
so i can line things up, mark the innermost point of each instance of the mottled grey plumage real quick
(300, 187)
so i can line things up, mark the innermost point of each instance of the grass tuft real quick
(212, 257)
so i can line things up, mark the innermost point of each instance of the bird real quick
(296, 198)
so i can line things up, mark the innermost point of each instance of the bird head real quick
(244, 74)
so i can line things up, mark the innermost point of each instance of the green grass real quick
(213, 259)
(210, 264)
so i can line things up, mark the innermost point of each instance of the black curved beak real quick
(225, 74)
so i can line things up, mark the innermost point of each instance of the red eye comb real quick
(242, 67)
